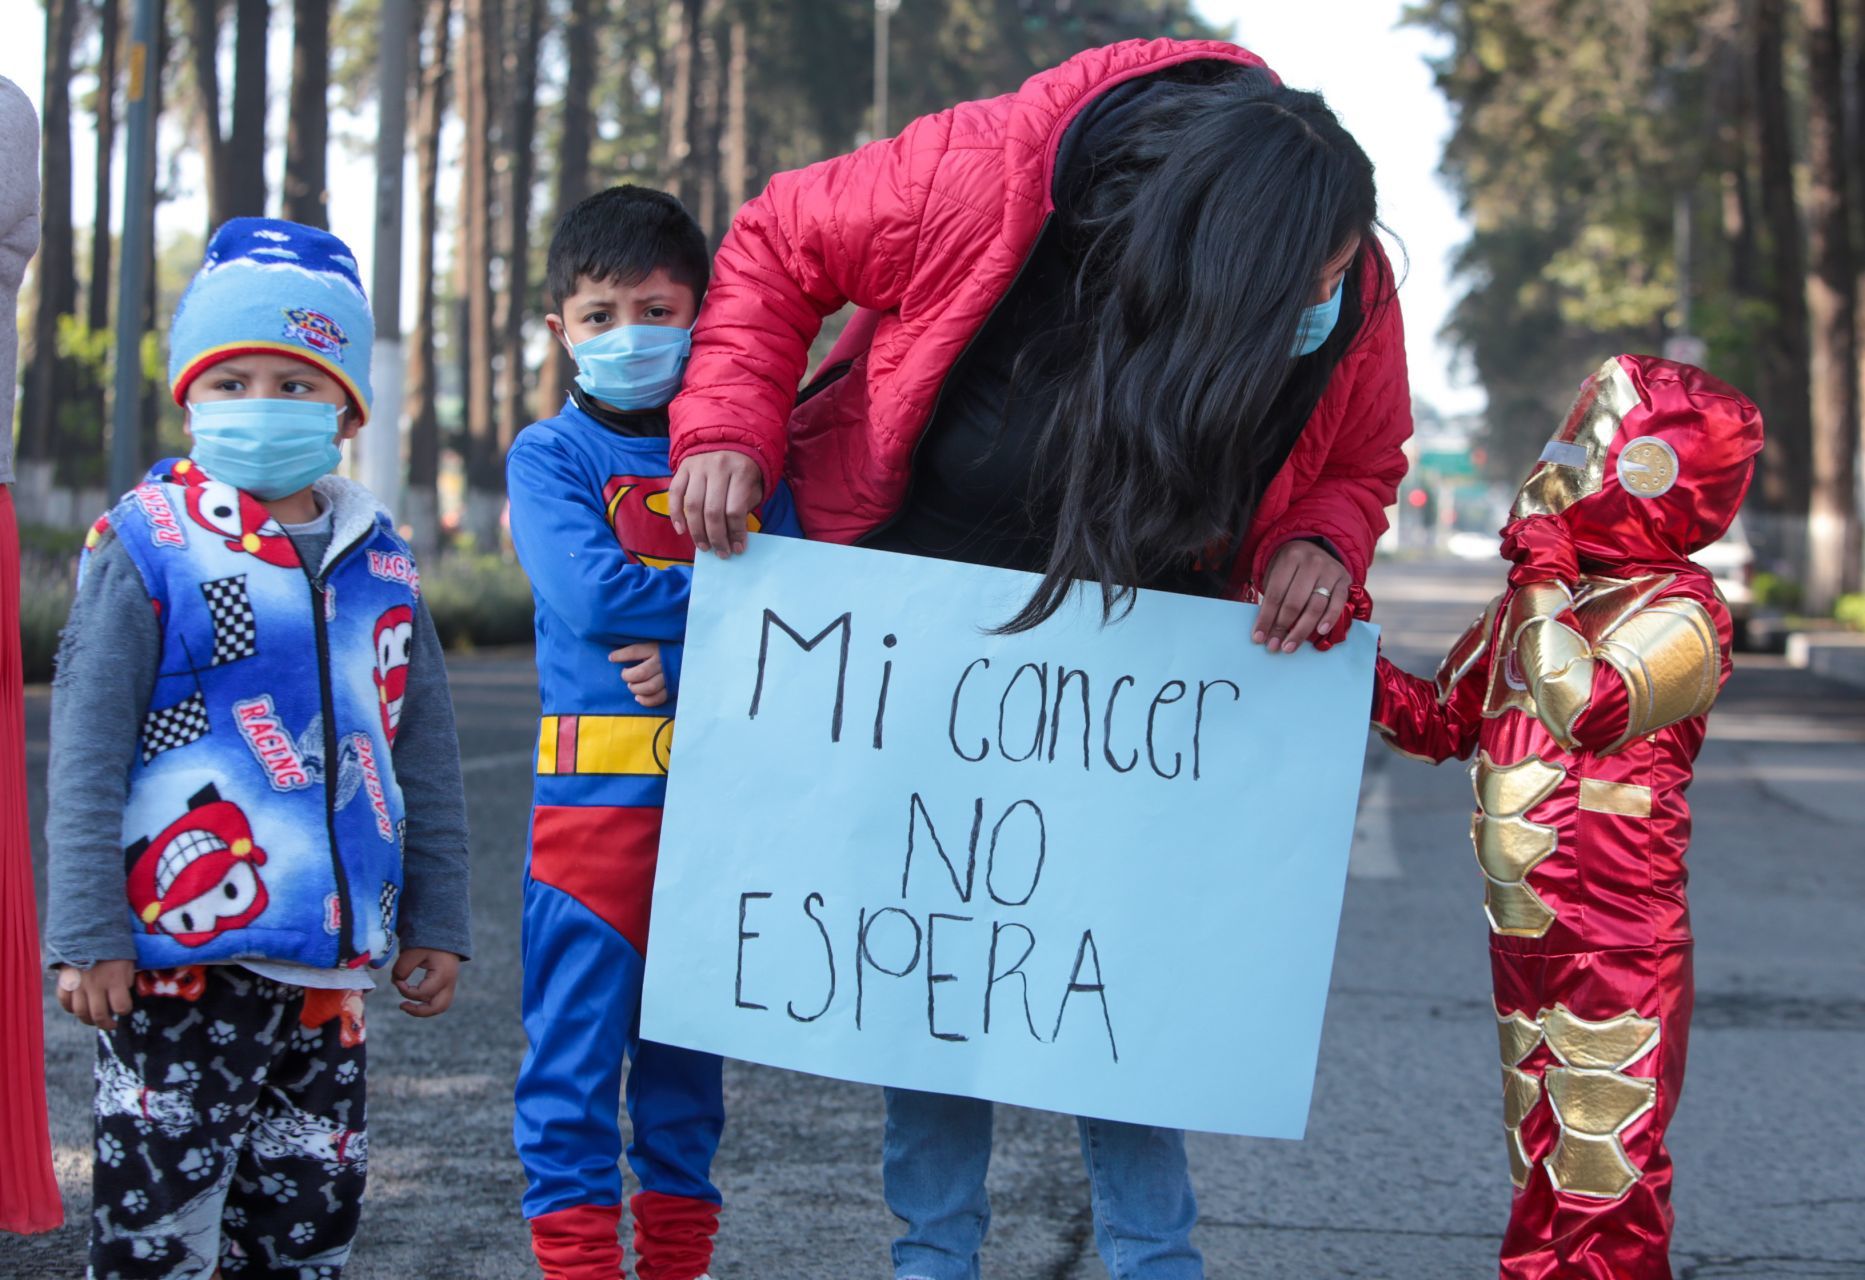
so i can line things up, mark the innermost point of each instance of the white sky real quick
(1372, 72)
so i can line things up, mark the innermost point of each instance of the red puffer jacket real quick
(926, 232)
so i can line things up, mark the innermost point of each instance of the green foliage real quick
(1580, 127)
(46, 583)
(355, 43)
(57, 546)
(1851, 610)
(1772, 591)
(478, 600)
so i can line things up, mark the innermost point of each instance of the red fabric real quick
(1714, 432)
(1620, 938)
(1555, 1236)
(1540, 549)
(28, 1191)
(925, 232)
(603, 857)
(579, 1243)
(673, 1235)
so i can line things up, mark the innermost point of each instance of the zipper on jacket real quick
(346, 950)
(913, 457)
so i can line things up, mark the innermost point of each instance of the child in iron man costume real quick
(1583, 690)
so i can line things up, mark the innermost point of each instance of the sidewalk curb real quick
(1837, 655)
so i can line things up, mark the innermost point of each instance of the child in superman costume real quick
(610, 576)
(1583, 689)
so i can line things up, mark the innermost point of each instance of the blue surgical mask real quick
(1318, 322)
(633, 366)
(269, 448)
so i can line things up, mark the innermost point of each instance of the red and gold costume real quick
(1583, 691)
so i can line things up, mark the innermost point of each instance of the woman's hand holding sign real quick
(1304, 594)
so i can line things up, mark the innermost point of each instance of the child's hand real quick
(95, 996)
(643, 673)
(1541, 549)
(433, 995)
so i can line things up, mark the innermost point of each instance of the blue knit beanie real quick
(279, 287)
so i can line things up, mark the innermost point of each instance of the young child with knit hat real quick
(254, 788)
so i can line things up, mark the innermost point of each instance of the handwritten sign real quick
(1090, 869)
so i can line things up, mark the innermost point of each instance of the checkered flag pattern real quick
(235, 629)
(176, 726)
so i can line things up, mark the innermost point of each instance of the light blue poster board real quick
(1096, 870)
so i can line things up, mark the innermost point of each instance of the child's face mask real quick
(633, 366)
(1317, 323)
(269, 448)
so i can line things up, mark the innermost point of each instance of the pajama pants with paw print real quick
(229, 1130)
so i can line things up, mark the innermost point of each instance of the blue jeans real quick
(932, 1172)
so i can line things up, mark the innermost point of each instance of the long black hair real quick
(1200, 233)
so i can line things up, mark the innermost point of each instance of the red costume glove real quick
(1542, 551)
(1358, 607)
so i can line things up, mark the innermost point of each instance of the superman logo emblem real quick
(638, 512)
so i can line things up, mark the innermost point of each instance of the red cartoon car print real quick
(394, 639)
(238, 517)
(199, 877)
(637, 510)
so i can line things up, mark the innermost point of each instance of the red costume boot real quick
(673, 1236)
(579, 1243)
(1583, 690)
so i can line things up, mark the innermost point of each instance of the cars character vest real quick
(264, 821)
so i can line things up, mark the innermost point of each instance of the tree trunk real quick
(95, 391)
(204, 49)
(1833, 530)
(307, 133)
(482, 462)
(244, 187)
(98, 309)
(580, 39)
(149, 424)
(519, 141)
(423, 412)
(48, 377)
(735, 142)
(708, 112)
(1733, 101)
(1786, 477)
(681, 111)
(1855, 146)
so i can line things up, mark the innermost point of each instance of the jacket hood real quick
(1650, 466)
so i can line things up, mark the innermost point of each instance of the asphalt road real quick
(1403, 1174)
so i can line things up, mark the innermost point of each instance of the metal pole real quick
(379, 446)
(1684, 346)
(883, 11)
(133, 276)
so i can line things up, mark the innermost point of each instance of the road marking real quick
(1375, 853)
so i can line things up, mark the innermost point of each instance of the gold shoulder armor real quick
(1670, 658)
(1467, 652)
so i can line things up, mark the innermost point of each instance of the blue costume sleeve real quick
(779, 514)
(576, 565)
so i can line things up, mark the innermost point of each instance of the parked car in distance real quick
(1731, 562)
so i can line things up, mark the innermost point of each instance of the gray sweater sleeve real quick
(434, 903)
(108, 657)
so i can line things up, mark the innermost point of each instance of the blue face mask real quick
(269, 448)
(1318, 322)
(633, 366)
